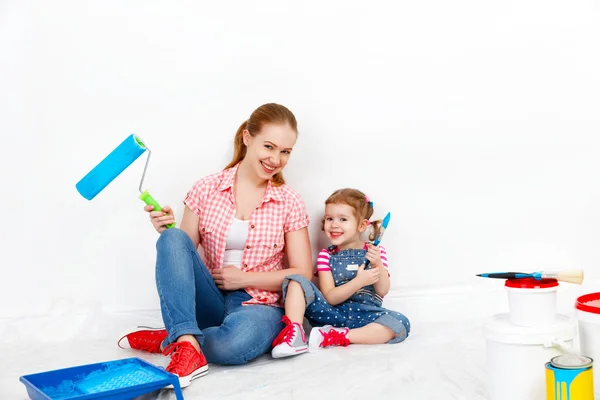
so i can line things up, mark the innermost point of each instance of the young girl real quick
(348, 307)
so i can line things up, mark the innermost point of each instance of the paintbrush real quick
(571, 276)
(377, 240)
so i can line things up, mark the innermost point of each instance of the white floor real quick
(444, 357)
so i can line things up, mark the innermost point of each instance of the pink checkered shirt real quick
(281, 210)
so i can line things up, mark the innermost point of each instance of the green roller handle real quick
(151, 202)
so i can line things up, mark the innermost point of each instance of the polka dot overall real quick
(362, 308)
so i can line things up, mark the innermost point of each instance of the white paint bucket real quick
(516, 356)
(588, 319)
(532, 302)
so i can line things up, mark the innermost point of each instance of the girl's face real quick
(342, 227)
(269, 151)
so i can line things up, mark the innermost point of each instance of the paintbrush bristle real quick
(571, 276)
(574, 276)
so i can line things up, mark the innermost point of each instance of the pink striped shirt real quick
(323, 259)
(280, 211)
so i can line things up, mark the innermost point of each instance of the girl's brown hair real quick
(363, 209)
(267, 113)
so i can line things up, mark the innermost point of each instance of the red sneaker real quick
(186, 362)
(328, 336)
(144, 339)
(291, 340)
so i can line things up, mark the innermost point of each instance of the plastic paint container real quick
(115, 380)
(588, 318)
(532, 302)
(570, 377)
(516, 355)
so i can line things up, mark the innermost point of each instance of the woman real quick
(225, 306)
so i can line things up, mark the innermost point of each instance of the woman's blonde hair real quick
(363, 208)
(267, 113)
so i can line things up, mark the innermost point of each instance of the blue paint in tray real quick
(114, 380)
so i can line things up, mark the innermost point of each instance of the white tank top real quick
(235, 243)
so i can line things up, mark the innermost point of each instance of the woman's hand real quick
(229, 277)
(160, 219)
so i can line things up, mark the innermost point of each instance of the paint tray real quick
(114, 380)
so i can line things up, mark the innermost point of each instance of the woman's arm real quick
(297, 245)
(189, 224)
(299, 256)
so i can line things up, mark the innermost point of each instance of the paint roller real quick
(112, 165)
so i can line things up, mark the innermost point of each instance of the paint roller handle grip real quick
(148, 199)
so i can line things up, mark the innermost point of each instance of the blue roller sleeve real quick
(111, 167)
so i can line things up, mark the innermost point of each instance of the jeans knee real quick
(403, 320)
(173, 253)
(172, 239)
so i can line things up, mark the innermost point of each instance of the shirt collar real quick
(228, 178)
(273, 192)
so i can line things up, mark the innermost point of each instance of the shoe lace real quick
(181, 354)
(149, 343)
(287, 333)
(334, 338)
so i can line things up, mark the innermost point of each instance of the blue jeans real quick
(191, 304)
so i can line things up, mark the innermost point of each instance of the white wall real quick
(474, 122)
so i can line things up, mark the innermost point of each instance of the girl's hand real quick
(160, 219)
(368, 277)
(374, 255)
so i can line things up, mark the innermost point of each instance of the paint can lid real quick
(531, 283)
(589, 303)
(569, 361)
